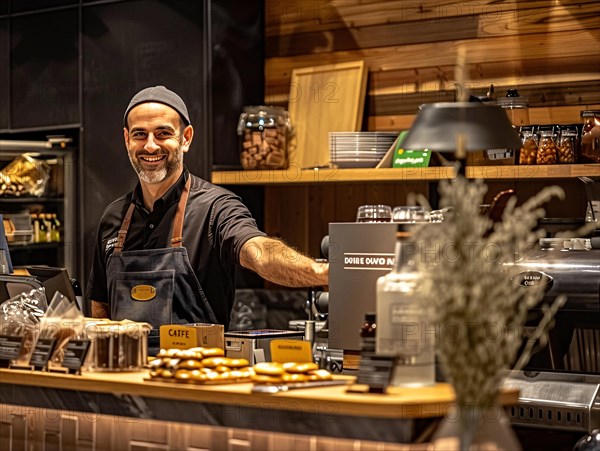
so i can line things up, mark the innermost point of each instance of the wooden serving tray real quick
(172, 380)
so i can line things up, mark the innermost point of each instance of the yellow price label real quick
(283, 350)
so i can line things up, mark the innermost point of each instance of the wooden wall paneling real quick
(381, 194)
(541, 19)
(559, 115)
(199, 437)
(69, 426)
(539, 115)
(261, 440)
(349, 197)
(86, 434)
(273, 203)
(386, 34)
(407, 191)
(551, 94)
(438, 29)
(284, 17)
(286, 214)
(533, 71)
(573, 206)
(321, 211)
(395, 122)
(151, 432)
(566, 44)
(104, 439)
(5, 432)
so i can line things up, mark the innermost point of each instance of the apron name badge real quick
(143, 292)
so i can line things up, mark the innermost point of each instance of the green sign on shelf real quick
(409, 158)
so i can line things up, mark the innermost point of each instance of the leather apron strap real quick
(177, 238)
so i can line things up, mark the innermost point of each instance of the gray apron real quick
(157, 286)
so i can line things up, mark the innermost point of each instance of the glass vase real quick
(470, 428)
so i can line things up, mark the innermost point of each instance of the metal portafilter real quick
(322, 302)
(325, 247)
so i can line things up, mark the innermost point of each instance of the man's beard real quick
(172, 164)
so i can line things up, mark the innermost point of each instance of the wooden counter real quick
(423, 402)
(398, 417)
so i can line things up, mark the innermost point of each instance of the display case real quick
(38, 201)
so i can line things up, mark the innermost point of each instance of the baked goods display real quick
(210, 366)
(289, 372)
(199, 366)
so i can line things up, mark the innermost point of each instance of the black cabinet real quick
(44, 69)
(4, 75)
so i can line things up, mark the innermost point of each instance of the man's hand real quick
(276, 262)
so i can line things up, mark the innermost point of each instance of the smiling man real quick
(166, 252)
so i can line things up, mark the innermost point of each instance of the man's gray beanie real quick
(158, 94)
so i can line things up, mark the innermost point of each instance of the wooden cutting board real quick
(324, 99)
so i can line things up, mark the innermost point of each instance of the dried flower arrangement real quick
(467, 288)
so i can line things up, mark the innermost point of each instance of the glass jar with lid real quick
(567, 145)
(590, 136)
(265, 132)
(547, 152)
(529, 145)
(515, 107)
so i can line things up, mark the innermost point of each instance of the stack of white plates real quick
(359, 149)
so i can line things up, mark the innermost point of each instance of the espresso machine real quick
(560, 386)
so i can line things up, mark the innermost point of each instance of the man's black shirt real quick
(216, 225)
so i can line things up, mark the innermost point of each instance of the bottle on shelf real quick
(403, 330)
(35, 226)
(54, 228)
(40, 230)
(367, 333)
(43, 231)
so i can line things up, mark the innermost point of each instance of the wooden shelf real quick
(333, 175)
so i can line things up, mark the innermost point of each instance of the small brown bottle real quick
(367, 333)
